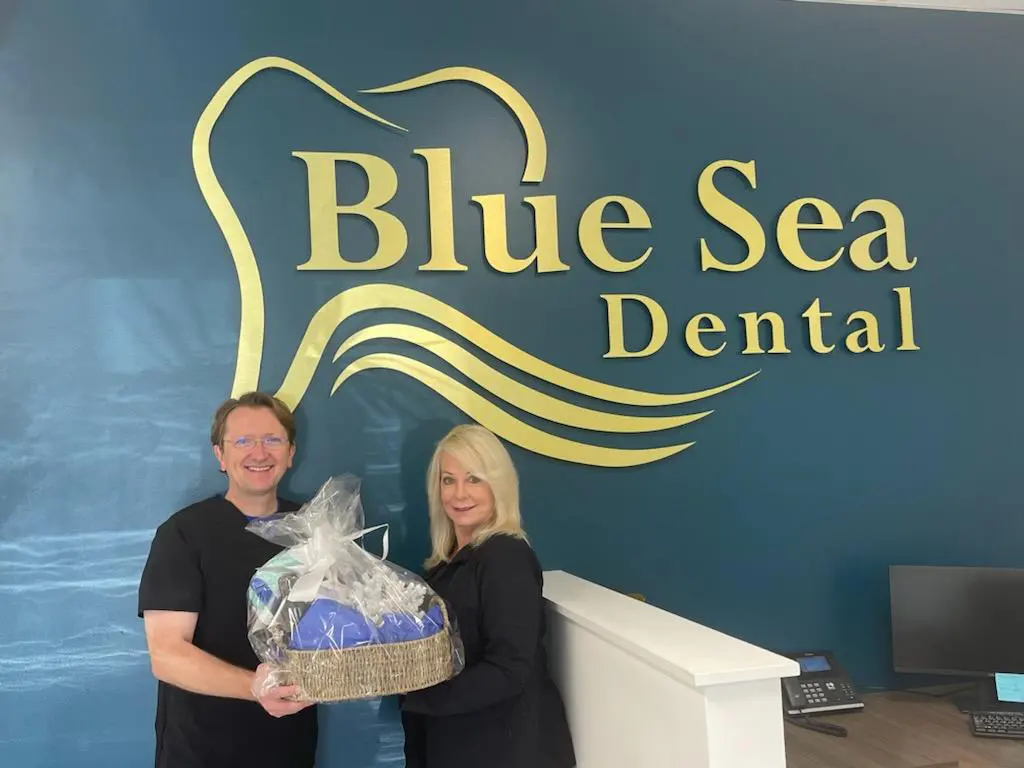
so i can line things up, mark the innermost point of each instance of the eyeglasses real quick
(247, 443)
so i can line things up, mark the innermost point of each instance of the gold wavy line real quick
(511, 391)
(383, 296)
(250, 334)
(536, 144)
(504, 424)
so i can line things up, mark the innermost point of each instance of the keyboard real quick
(1005, 725)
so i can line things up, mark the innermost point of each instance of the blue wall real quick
(120, 310)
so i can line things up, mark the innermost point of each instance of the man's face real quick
(255, 452)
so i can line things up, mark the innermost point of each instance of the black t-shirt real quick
(201, 561)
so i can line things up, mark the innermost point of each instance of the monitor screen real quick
(814, 664)
(957, 620)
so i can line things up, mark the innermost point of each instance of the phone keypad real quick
(827, 691)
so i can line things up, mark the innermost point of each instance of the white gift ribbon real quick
(314, 551)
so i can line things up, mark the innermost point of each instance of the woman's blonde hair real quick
(483, 455)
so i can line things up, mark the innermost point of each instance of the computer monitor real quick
(954, 620)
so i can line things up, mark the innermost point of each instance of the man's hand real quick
(277, 699)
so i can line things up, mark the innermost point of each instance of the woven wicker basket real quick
(369, 671)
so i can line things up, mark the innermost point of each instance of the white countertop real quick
(690, 652)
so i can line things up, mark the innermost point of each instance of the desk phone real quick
(822, 686)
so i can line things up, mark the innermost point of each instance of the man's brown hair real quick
(252, 400)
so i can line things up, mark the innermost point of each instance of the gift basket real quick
(337, 621)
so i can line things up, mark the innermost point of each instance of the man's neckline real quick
(247, 517)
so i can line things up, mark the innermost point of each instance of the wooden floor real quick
(901, 730)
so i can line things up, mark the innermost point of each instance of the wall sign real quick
(701, 332)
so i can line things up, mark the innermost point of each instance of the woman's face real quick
(467, 499)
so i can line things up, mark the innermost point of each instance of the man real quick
(192, 598)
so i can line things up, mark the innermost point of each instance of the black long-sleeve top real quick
(503, 709)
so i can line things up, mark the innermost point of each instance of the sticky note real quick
(1009, 687)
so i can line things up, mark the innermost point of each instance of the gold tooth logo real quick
(348, 303)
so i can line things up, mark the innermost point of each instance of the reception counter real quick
(644, 687)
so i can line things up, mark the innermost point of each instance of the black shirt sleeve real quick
(171, 579)
(511, 601)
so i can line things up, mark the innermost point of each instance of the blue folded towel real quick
(327, 624)
(401, 627)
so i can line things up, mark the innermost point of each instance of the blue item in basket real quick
(262, 590)
(401, 627)
(327, 625)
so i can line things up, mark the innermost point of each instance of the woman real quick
(503, 710)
